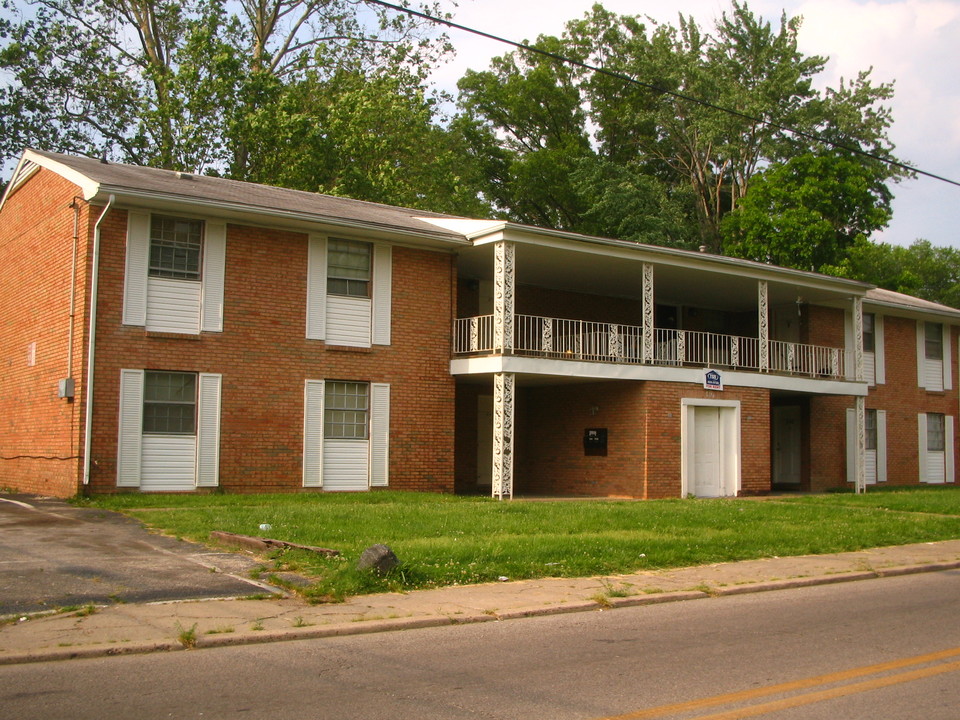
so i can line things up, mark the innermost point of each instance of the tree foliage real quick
(683, 163)
(921, 270)
(807, 212)
(325, 95)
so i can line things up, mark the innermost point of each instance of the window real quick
(934, 341)
(169, 403)
(935, 432)
(346, 410)
(871, 428)
(348, 267)
(175, 245)
(869, 337)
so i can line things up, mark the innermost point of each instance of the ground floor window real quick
(935, 447)
(346, 434)
(346, 410)
(169, 403)
(169, 430)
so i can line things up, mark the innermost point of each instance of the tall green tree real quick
(809, 211)
(667, 134)
(325, 95)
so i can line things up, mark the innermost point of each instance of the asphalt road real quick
(55, 555)
(874, 649)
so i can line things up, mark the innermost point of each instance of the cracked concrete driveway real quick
(55, 555)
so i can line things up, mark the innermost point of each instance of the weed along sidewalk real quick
(150, 627)
(461, 560)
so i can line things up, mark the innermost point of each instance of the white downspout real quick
(91, 349)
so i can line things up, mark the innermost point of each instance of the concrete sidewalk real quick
(149, 627)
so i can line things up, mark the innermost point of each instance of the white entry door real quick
(710, 441)
(707, 456)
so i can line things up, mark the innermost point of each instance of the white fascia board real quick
(88, 187)
(912, 313)
(571, 369)
(468, 227)
(639, 252)
(269, 217)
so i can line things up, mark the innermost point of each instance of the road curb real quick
(359, 626)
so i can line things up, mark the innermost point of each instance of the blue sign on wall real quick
(712, 380)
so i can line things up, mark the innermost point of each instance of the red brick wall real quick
(900, 396)
(264, 359)
(40, 433)
(644, 440)
(822, 326)
(903, 398)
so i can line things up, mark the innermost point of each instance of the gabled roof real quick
(131, 184)
(907, 303)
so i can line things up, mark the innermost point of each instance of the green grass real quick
(447, 540)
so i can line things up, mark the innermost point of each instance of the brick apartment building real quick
(169, 332)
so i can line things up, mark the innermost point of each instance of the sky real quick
(913, 43)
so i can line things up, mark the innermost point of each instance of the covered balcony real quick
(566, 339)
(540, 312)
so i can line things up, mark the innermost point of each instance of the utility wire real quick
(681, 96)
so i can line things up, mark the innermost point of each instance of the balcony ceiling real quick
(719, 285)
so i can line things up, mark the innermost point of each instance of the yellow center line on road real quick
(795, 685)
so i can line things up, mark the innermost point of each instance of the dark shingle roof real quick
(146, 181)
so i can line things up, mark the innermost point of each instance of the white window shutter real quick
(214, 263)
(379, 434)
(947, 358)
(881, 446)
(317, 288)
(948, 449)
(208, 430)
(881, 365)
(851, 446)
(922, 445)
(313, 433)
(382, 293)
(135, 273)
(130, 433)
(921, 355)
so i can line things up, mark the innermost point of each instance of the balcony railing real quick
(546, 337)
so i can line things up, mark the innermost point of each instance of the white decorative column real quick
(860, 455)
(648, 313)
(763, 325)
(858, 338)
(503, 291)
(503, 400)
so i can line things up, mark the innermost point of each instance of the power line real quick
(662, 91)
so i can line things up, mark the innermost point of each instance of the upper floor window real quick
(175, 247)
(348, 267)
(346, 409)
(169, 403)
(869, 336)
(934, 341)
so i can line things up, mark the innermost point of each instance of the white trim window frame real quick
(346, 434)
(349, 303)
(174, 273)
(935, 445)
(934, 356)
(875, 460)
(168, 430)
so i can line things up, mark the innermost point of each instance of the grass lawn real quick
(447, 540)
